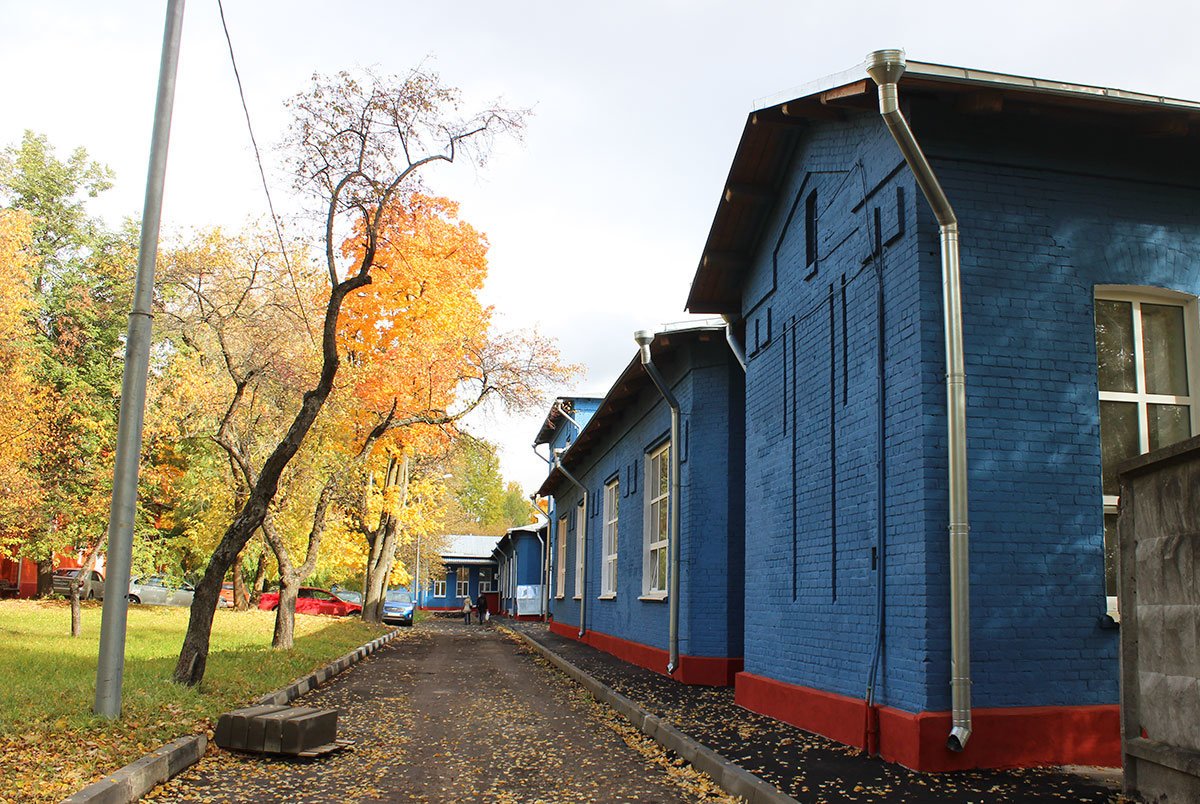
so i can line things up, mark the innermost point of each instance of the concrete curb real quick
(136, 779)
(310, 682)
(732, 778)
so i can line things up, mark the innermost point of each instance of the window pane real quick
(662, 569)
(1114, 345)
(664, 471)
(1110, 555)
(662, 522)
(1168, 424)
(1118, 439)
(1162, 341)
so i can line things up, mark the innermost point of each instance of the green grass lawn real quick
(50, 742)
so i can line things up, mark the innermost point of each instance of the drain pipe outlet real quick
(644, 338)
(886, 67)
(582, 525)
(734, 346)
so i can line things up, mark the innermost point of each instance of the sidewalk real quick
(807, 767)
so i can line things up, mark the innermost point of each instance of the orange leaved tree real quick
(356, 145)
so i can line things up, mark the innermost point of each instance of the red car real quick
(311, 600)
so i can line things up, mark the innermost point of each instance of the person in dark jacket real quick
(481, 608)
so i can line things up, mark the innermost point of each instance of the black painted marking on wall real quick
(832, 446)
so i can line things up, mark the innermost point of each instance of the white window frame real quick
(486, 583)
(462, 586)
(560, 571)
(1136, 297)
(580, 513)
(439, 588)
(653, 541)
(608, 570)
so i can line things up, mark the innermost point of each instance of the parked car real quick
(226, 599)
(311, 600)
(159, 590)
(398, 607)
(93, 585)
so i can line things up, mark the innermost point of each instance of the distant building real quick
(521, 558)
(470, 570)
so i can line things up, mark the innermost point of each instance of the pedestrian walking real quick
(483, 609)
(467, 611)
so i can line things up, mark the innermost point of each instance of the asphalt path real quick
(449, 712)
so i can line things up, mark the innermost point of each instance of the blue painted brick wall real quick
(1043, 221)
(707, 383)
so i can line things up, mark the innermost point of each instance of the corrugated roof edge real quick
(964, 75)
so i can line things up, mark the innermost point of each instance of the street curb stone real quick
(731, 777)
(133, 781)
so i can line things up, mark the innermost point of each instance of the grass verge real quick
(50, 742)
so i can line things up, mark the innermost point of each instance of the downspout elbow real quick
(731, 337)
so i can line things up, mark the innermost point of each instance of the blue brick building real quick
(1079, 217)
(469, 570)
(567, 416)
(521, 572)
(610, 546)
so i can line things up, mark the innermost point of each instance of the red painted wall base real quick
(708, 671)
(1003, 737)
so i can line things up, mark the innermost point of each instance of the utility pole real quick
(110, 666)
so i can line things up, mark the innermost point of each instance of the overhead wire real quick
(263, 174)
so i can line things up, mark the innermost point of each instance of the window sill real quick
(657, 598)
(577, 597)
(612, 596)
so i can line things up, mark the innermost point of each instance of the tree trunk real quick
(285, 615)
(76, 612)
(193, 655)
(377, 583)
(258, 585)
(84, 575)
(383, 545)
(45, 578)
(240, 596)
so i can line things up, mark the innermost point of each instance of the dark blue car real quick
(398, 607)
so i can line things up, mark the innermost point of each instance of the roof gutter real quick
(582, 542)
(644, 338)
(886, 67)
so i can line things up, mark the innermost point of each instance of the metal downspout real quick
(734, 346)
(543, 546)
(886, 67)
(643, 339)
(582, 542)
(549, 514)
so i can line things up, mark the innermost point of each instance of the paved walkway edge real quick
(136, 779)
(731, 777)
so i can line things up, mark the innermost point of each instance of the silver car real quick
(93, 585)
(158, 590)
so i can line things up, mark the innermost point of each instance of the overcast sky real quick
(597, 219)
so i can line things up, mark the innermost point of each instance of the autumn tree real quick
(81, 279)
(421, 358)
(23, 401)
(355, 147)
